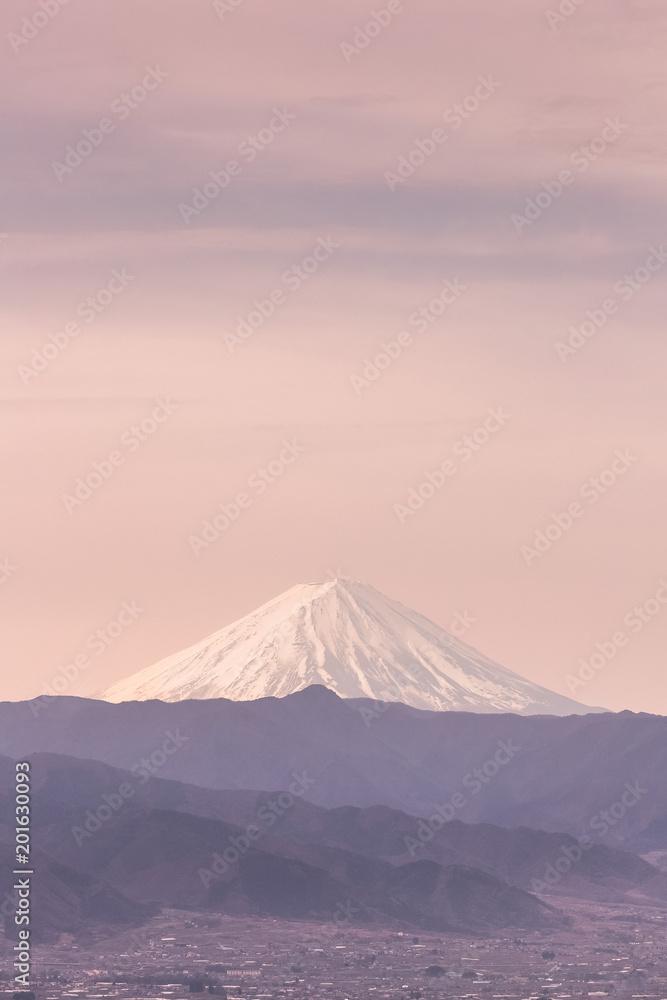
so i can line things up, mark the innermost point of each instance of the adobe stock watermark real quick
(225, 7)
(267, 814)
(460, 624)
(592, 490)
(364, 34)
(602, 823)
(419, 320)
(455, 116)
(248, 150)
(113, 802)
(98, 642)
(344, 913)
(636, 620)
(293, 278)
(475, 781)
(36, 22)
(130, 440)
(11, 907)
(7, 570)
(581, 158)
(122, 107)
(465, 449)
(88, 310)
(380, 706)
(566, 9)
(626, 288)
(458, 627)
(259, 482)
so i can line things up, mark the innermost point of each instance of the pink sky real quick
(220, 77)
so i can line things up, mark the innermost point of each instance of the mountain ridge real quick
(363, 753)
(157, 857)
(67, 789)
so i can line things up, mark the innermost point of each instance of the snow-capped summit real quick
(350, 638)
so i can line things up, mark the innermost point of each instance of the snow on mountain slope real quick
(353, 640)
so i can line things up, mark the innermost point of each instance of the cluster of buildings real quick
(618, 952)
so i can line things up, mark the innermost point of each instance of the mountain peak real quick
(348, 637)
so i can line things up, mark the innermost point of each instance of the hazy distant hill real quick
(66, 791)
(168, 858)
(67, 900)
(557, 774)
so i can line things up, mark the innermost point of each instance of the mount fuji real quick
(353, 640)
